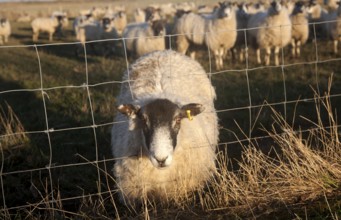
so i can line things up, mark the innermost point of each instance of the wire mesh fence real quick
(66, 105)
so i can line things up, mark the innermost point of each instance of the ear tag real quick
(189, 116)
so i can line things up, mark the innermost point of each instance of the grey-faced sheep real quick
(270, 29)
(5, 30)
(300, 28)
(142, 38)
(49, 25)
(167, 147)
(218, 32)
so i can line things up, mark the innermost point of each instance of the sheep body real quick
(5, 30)
(49, 25)
(163, 74)
(218, 32)
(142, 38)
(271, 29)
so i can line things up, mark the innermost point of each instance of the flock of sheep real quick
(225, 27)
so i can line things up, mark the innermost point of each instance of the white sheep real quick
(300, 28)
(120, 22)
(167, 147)
(49, 25)
(5, 30)
(142, 38)
(270, 29)
(218, 32)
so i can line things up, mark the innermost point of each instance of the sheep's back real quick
(44, 24)
(192, 26)
(168, 74)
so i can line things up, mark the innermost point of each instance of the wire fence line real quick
(93, 125)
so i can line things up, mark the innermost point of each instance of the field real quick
(279, 143)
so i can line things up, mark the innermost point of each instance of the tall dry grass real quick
(303, 169)
(11, 129)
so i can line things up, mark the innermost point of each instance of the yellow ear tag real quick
(189, 116)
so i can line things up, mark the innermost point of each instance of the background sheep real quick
(271, 29)
(5, 30)
(176, 155)
(49, 25)
(334, 28)
(218, 33)
(142, 38)
(300, 28)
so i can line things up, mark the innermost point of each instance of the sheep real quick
(334, 28)
(142, 38)
(49, 25)
(300, 28)
(5, 30)
(167, 147)
(218, 32)
(270, 29)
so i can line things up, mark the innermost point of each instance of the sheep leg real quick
(182, 44)
(192, 55)
(6, 38)
(35, 36)
(1, 42)
(277, 56)
(298, 48)
(218, 55)
(293, 47)
(335, 46)
(259, 61)
(267, 56)
(50, 36)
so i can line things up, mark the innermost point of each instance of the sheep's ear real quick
(128, 109)
(191, 109)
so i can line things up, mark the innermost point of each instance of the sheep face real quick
(3, 22)
(225, 10)
(275, 7)
(160, 123)
(106, 22)
(158, 28)
(299, 8)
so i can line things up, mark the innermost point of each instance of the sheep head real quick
(160, 123)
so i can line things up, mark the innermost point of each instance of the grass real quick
(290, 167)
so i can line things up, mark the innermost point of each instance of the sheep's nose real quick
(162, 161)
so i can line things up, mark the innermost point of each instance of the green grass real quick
(68, 106)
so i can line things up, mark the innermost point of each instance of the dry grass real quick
(11, 129)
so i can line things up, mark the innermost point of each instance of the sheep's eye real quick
(177, 120)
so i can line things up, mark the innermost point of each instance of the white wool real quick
(165, 74)
(268, 30)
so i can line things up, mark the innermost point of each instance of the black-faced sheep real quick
(167, 147)
(218, 32)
